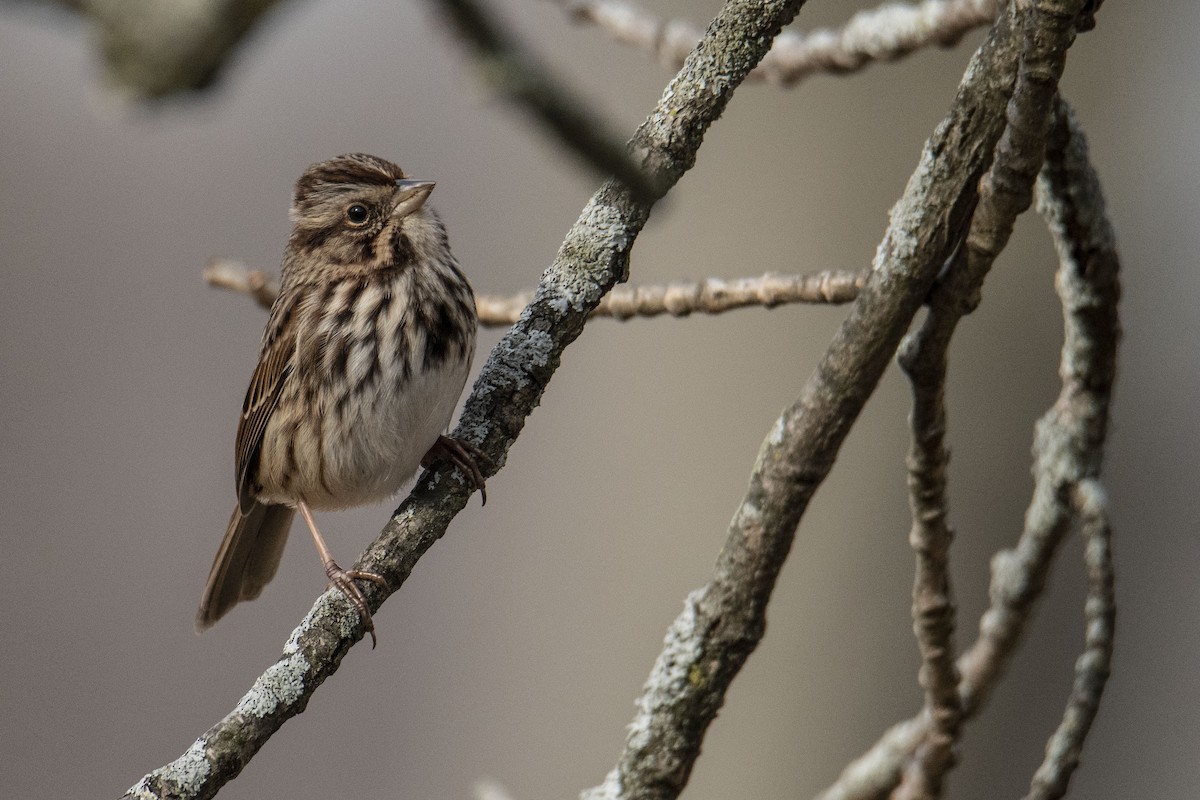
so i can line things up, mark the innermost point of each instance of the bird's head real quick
(360, 210)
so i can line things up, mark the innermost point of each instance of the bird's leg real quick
(463, 455)
(341, 578)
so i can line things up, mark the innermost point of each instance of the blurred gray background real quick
(515, 651)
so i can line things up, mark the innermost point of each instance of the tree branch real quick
(1068, 449)
(152, 49)
(709, 296)
(924, 358)
(505, 66)
(886, 33)
(221, 273)
(723, 621)
(1005, 192)
(1070, 198)
(594, 256)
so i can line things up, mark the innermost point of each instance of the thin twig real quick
(709, 296)
(1069, 197)
(924, 358)
(222, 273)
(1068, 446)
(593, 257)
(886, 33)
(723, 621)
(508, 68)
(1093, 666)
(1005, 192)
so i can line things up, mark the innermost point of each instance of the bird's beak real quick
(410, 196)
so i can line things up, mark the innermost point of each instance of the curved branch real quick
(1069, 197)
(594, 257)
(1005, 192)
(1068, 446)
(886, 33)
(1092, 668)
(723, 621)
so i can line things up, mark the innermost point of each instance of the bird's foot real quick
(463, 455)
(344, 580)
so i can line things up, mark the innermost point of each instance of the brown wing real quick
(266, 386)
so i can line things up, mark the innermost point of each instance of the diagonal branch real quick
(723, 621)
(594, 257)
(886, 33)
(508, 68)
(1068, 448)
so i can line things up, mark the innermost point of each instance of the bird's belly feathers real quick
(339, 462)
(383, 400)
(385, 447)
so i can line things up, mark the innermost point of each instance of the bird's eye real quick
(356, 214)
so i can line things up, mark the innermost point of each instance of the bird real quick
(365, 354)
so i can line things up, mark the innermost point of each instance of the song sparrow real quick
(363, 359)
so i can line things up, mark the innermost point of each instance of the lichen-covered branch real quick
(1068, 449)
(505, 65)
(1070, 199)
(886, 33)
(723, 621)
(593, 257)
(1092, 668)
(1069, 440)
(709, 296)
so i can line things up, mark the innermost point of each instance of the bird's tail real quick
(247, 560)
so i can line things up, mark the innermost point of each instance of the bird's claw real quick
(463, 455)
(344, 580)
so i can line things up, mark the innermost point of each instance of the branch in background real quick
(709, 296)
(237, 277)
(488, 789)
(723, 621)
(1093, 666)
(1068, 449)
(593, 257)
(506, 67)
(153, 49)
(923, 357)
(881, 34)
(1004, 193)
(1070, 199)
